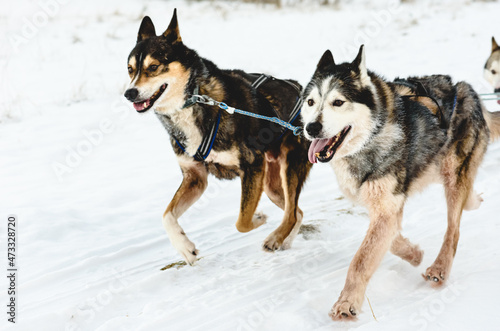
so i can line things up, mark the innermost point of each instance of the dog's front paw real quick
(273, 242)
(185, 247)
(344, 310)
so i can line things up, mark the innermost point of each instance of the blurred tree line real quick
(334, 3)
(280, 3)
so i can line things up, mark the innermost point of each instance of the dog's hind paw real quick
(343, 311)
(273, 243)
(416, 258)
(474, 200)
(259, 219)
(436, 275)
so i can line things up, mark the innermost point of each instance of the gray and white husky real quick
(492, 67)
(385, 142)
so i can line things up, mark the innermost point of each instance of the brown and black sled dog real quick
(166, 76)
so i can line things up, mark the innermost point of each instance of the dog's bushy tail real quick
(493, 122)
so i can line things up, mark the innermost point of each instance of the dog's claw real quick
(345, 315)
(435, 279)
(268, 248)
(428, 277)
(353, 313)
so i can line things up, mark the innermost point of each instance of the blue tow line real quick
(204, 99)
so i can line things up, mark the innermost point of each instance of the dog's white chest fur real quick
(184, 121)
(348, 184)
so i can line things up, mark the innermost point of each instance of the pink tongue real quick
(140, 105)
(498, 101)
(316, 146)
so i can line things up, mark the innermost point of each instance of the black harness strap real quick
(208, 141)
(206, 144)
(298, 105)
(261, 80)
(421, 91)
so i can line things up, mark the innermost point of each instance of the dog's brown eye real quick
(130, 69)
(310, 102)
(152, 68)
(494, 72)
(338, 103)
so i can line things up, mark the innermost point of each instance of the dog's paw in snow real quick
(344, 310)
(179, 239)
(273, 242)
(436, 274)
(185, 247)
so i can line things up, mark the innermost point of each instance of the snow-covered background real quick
(89, 178)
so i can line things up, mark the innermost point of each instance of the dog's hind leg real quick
(409, 252)
(272, 184)
(403, 248)
(193, 185)
(252, 182)
(458, 170)
(458, 188)
(274, 190)
(456, 197)
(284, 180)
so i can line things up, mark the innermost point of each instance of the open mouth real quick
(323, 150)
(497, 90)
(144, 105)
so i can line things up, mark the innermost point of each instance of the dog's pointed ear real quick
(325, 61)
(359, 64)
(494, 45)
(172, 33)
(147, 29)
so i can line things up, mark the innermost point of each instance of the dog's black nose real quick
(131, 94)
(314, 128)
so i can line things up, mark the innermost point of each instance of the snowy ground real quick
(91, 243)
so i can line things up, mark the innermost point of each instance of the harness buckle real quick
(205, 99)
